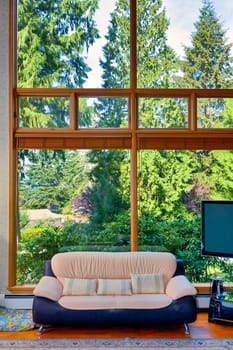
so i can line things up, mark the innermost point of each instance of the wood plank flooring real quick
(201, 328)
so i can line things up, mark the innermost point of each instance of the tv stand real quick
(220, 308)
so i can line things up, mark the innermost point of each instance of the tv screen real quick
(217, 228)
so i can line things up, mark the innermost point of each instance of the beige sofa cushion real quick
(106, 265)
(79, 286)
(179, 286)
(114, 287)
(48, 287)
(147, 283)
(104, 302)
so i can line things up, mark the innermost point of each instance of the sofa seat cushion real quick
(99, 302)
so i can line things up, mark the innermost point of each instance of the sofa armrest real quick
(179, 286)
(48, 287)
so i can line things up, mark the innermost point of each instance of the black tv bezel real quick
(203, 249)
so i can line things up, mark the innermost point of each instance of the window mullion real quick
(73, 112)
(133, 125)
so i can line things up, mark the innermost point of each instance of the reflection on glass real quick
(163, 112)
(103, 112)
(70, 200)
(44, 112)
(214, 113)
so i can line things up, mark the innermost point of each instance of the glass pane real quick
(214, 113)
(184, 44)
(70, 200)
(73, 43)
(109, 56)
(171, 187)
(44, 112)
(163, 112)
(103, 112)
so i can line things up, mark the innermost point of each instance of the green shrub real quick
(180, 237)
(35, 247)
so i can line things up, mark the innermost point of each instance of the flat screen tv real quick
(217, 228)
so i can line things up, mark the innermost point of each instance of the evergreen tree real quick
(228, 114)
(208, 62)
(157, 64)
(111, 113)
(156, 67)
(52, 179)
(41, 186)
(53, 37)
(106, 192)
(208, 65)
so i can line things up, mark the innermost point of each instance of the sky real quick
(95, 52)
(181, 14)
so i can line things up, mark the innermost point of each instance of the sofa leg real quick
(186, 328)
(40, 330)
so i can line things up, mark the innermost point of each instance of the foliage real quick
(156, 60)
(35, 247)
(171, 183)
(170, 177)
(52, 36)
(221, 174)
(228, 114)
(207, 62)
(106, 191)
(181, 237)
(23, 218)
(52, 179)
(116, 59)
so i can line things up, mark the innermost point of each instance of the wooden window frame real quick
(131, 138)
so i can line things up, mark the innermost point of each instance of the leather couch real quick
(146, 289)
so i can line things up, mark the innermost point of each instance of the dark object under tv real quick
(217, 228)
(217, 240)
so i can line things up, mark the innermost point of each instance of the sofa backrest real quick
(115, 265)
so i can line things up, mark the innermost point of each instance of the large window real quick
(118, 130)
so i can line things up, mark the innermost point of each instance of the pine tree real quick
(53, 37)
(157, 64)
(53, 178)
(208, 65)
(157, 67)
(208, 62)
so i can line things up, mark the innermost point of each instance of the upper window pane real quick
(44, 112)
(184, 44)
(214, 113)
(163, 112)
(103, 112)
(73, 43)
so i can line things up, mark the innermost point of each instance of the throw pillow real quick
(151, 283)
(79, 286)
(114, 287)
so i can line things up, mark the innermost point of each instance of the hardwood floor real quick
(201, 328)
